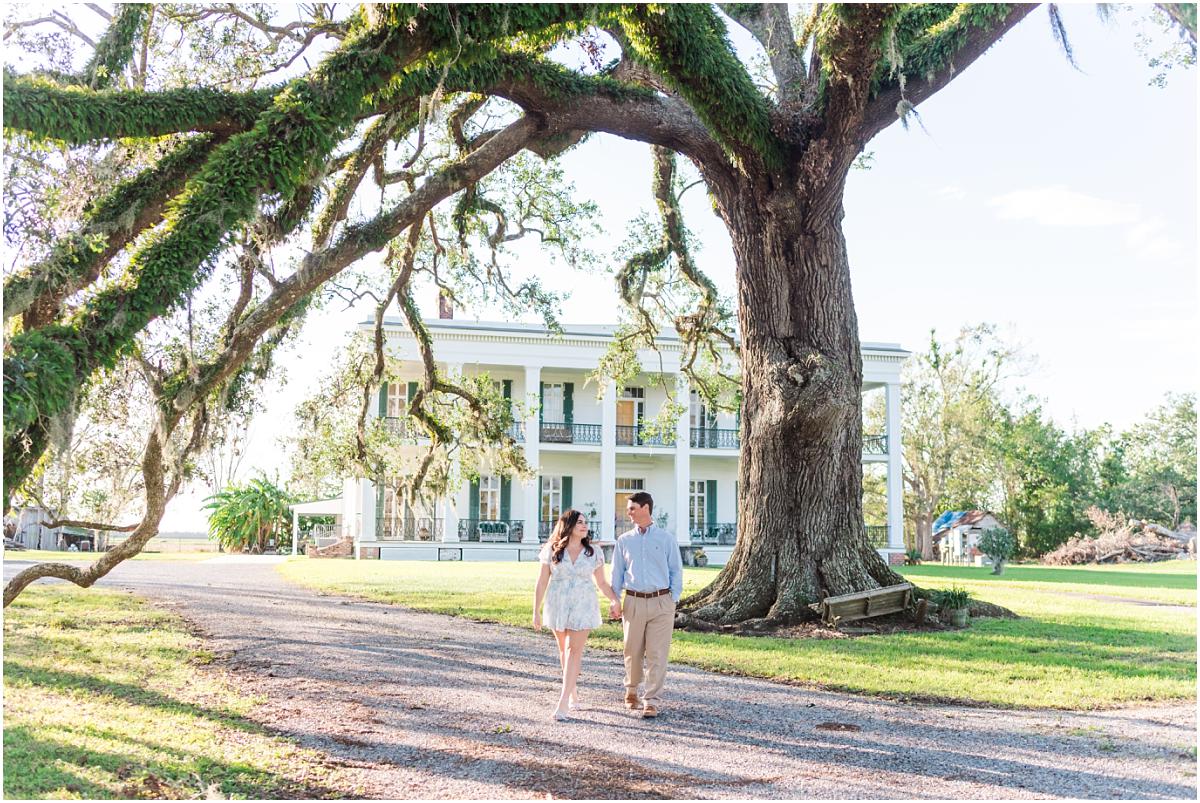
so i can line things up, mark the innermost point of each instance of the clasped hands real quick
(614, 609)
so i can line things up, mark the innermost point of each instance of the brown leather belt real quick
(648, 594)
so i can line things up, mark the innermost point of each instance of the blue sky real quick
(1056, 203)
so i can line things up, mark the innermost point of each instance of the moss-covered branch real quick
(688, 45)
(115, 48)
(771, 25)
(302, 126)
(75, 115)
(375, 139)
(110, 224)
(930, 45)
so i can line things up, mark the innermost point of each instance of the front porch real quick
(418, 538)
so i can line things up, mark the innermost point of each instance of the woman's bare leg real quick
(576, 641)
(560, 636)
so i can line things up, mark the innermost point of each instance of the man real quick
(647, 567)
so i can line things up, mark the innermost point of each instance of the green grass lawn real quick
(1172, 582)
(60, 557)
(104, 698)
(1066, 651)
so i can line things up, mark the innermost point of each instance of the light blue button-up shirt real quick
(647, 561)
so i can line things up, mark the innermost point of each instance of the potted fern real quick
(953, 604)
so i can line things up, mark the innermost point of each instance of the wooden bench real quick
(864, 604)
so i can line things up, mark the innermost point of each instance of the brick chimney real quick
(445, 308)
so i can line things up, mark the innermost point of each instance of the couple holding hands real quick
(646, 566)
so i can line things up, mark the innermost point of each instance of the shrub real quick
(998, 544)
(952, 598)
(248, 518)
(912, 557)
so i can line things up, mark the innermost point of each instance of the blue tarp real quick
(946, 518)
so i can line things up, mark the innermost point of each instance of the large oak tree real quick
(247, 168)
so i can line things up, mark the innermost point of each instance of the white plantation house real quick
(590, 453)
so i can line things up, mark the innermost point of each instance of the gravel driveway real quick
(419, 705)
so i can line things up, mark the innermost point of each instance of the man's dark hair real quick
(642, 498)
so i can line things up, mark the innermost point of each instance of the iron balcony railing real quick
(397, 426)
(557, 432)
(640, 435)
(517, 432)
(720, 534)
(545, 527)
(705, 438)
(877, 535)
(408, 529)
(499, 531)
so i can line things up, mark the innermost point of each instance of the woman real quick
(569, 565)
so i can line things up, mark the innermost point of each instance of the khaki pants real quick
(648, 626)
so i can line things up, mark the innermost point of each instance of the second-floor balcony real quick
(561, 432)
(639, 435)
(713, 438)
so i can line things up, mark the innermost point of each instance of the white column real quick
(895, 479)
(683, 461)
(454, 371)
(608, 463)
(450, 505)
(366, 531)
(295, 530)
(533, 441)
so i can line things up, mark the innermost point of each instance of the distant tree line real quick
(972, 439)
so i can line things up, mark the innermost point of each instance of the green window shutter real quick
(383, 390)
(541, 496)
(506, 386)
(378, 503)
(505, 498)
(568, 402)
(710, 499)
(412, 391)
(541, 402)
(566, 493)
(474, 500)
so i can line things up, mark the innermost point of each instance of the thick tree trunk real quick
(801, 535)
(924, 535)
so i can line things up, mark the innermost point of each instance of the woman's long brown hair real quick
(562, 535)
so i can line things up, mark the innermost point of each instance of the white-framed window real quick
(638, 397)
(552, 403)
(489, 498)
(698, 502)
(397, 399)
(551, 498)
(390, 499)
(700, 417)
(631, 484)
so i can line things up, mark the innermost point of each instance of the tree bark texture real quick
(801, 535)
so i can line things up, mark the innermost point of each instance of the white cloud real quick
(1059, 206)
(952, 192)
(1149, 238)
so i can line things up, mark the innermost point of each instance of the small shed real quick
(957, 539)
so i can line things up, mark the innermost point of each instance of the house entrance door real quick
(626, 425)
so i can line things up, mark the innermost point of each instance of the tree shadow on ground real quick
(36, 766)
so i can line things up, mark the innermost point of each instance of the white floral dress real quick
(571, 602)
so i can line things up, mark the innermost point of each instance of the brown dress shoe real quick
(649, 711)
(632, 702)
